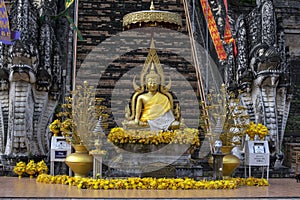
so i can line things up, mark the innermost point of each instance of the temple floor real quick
(26, 188)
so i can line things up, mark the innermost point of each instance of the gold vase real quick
(230, 162)
(80, 162)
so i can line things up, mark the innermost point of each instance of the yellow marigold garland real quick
(186, 136)
(150, 183)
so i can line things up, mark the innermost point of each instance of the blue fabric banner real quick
(6, 35)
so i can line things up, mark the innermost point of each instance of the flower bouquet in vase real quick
(55, 127)
(79, 118)
(31, 168)
(20, 168)
(259, 130)
(42, 167)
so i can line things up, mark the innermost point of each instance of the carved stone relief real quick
(30, 77)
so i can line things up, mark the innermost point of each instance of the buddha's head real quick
(152, 80)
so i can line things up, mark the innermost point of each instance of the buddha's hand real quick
(131, 122)
(140, 123)
(136, 121)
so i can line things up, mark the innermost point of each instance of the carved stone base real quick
(154, 161)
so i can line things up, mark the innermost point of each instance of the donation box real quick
(60, 149)
(257, 153)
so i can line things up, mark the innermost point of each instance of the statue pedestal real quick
(173, 160)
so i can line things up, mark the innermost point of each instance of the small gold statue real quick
(152, 104)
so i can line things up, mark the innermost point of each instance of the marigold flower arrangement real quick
(186, 136)
(55, 127)
(151, 183)
(257, 129)
(30, 168)
(41, 167)
(79, 116)
(65, 124)
(20, 168)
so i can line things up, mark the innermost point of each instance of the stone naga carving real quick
(30, 77)
(260, 69)
(262, 72)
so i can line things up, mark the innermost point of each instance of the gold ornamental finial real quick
(152, 5)
(152, 18)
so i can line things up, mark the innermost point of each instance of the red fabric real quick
(212, 27)
(227, 32)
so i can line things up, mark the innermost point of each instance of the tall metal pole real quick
(195, 59)
(75, 44)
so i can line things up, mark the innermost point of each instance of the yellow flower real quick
(42, 167)
(260, 130)
(55, 126)
(31, 168)
(67, 126)
(187, 136)
(150, 183)
(20, 168)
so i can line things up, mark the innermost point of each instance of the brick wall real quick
(100, 22)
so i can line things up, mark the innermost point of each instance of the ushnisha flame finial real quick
(152, 5)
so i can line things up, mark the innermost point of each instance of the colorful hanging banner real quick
(68, 3)
(74, 26)
(227, 32)
(213, 30)
(6, 35)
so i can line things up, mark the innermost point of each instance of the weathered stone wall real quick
(288, 16)
(99, 20)
(289, 12)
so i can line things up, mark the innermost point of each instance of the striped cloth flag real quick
(6, 35)
(213, 30)
(68, 3)
(227, 32)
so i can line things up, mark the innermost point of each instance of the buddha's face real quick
(152, 84)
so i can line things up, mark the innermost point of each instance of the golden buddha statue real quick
(152, 104)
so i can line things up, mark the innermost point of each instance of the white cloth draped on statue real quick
(161, 123)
